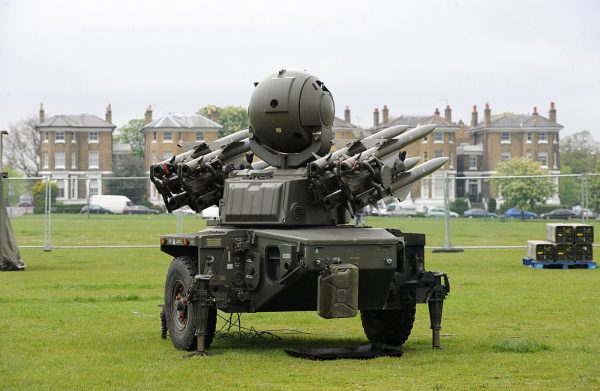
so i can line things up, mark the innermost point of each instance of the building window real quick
(438, 153)
(73, 159)
(93, 160)
(93, 187)
(45, 159)
(93, 137)
(199, 137)
(543, 138)
(73, 138)
(45, 137)
(168, 136)
(528, 140)
(73, 189)
(438, 137)
(154, 136)
(529, 155)
(505, 138)
(472, 162)
(543, 159)
(504, 156)
(59, 160)
(424, 140)
(59, 137)
(451, 138)
(60, 186)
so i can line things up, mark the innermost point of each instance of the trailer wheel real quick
(389, 327)
(179, 312)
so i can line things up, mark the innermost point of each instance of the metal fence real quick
(46, 197)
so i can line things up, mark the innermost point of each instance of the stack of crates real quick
(565, 244)
(573, 241)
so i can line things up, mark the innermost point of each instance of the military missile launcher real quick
(283, 241)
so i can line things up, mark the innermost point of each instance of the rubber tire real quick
(184, 269)
(389, 327)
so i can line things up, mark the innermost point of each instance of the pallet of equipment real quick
(541, 250)
(560, 233)
(559, 265)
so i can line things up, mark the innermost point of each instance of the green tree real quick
(127, 166)
(38, 192)
(523, 193)
(578, 155)
(232, 118)
(132, 134)
(579, 152)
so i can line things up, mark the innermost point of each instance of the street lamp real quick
(2, 133)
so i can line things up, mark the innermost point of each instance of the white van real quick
(114, 203)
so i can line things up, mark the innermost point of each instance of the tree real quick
(38, 192)
(132, 134)
(579, 152)
(578, 155)
(232, 118)
(523, 193)
(126, 166)
(22, 146)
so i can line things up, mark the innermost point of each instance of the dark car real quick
(559, 214)
(478, 213)
(95, 209)
(515, 213)
(139, 210)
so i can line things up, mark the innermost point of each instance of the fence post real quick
(447, 245)
(47, 216)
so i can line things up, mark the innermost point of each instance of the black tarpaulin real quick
(10, 257)
(362, 352)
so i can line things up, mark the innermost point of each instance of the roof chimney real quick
(488, 114)
(347, 115)
(552, 112)
(42, 113)
(108, 116)
(376, 118)
(148, 115)
(474, 119)
(535, 110)
(448, 113)
(385, 114)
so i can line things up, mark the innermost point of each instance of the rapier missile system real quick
(283, 242)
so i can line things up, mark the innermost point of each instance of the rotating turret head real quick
(291, 114)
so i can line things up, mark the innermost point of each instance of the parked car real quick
(139, 210)
(97, 209)
(25, 201)
(375, 210)
(401, 209)
(439, 212)
(515, 213)
(584, 213)
(559, 214)
(479, 213)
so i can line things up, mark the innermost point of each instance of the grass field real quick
(88, 319)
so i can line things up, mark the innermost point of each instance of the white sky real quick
(413, 56)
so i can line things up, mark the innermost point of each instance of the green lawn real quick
(88, 319)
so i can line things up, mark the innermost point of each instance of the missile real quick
(225, 153)
(359, 146)
(203, 149)
(407, 178)
(403, 140)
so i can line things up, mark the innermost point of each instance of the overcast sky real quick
(413, 56)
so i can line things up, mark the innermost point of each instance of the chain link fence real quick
(34, 204)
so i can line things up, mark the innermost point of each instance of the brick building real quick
(173, 134)
(504, 137)
(76, 151)
(442, 142)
